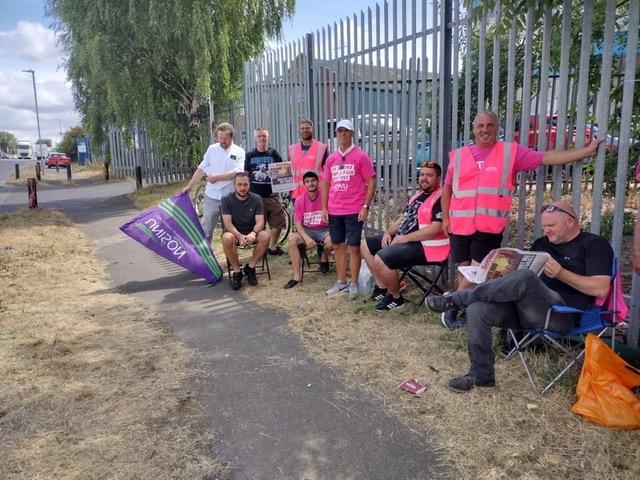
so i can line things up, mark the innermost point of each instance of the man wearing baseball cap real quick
(349, 187)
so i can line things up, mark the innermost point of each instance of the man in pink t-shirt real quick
(349, 186)
(311, 230)
(467, 249)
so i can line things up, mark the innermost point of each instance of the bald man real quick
(477, 192)
(577, 271)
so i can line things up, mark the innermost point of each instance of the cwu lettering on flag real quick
(173, 231)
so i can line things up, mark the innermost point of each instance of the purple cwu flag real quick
(173, 231)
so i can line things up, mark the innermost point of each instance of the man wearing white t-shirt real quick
(221, 162)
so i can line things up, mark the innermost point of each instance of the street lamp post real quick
(35, 96)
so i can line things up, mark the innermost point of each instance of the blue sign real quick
(82, 151)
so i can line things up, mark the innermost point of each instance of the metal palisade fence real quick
(413, 74)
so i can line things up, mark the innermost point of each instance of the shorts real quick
(273, 212)
(317, 234)
(402, 255)
(345, 227)
(473, 247)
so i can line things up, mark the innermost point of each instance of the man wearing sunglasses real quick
(349, 186)
(478, 190)
(577, 271)
(414, 239)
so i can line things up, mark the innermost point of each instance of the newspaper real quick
(281, 177)
(501, 261)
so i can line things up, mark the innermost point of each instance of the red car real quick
(61, 158)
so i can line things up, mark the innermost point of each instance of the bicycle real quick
(285, 200)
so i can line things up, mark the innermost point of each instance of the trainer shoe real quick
(236, 278)
(353, 291)
(389, 303)
(291, 283)
(251, 275)
(378, 293)
(441, 303)
(337, 288)
(451, 320)
(324, 267)
(467, 382)
(277, 251)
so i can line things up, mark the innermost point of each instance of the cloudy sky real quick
(27, 43)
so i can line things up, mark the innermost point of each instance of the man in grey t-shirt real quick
(243, 219)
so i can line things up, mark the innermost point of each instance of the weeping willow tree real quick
(158, 61)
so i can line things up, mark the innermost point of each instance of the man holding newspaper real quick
(577, 270)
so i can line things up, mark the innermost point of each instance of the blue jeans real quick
(519, 300)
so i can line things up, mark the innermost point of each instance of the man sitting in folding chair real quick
(416, 238)
(243, 220)
(577, 272)
(311, 231)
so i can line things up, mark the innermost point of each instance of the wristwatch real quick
(365, 206)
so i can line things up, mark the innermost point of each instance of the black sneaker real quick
(467, 382)
(251, 275)
(236, 278)
(451, 320)
(389, 303)
(277, 251)
(324, 267)
(441, 303)
(378, 293)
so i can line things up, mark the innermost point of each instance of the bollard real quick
(69, 172)
(57, 166)
(106, 170)
(38, 172)
(17, 171)
(33, 194)
(138, 177)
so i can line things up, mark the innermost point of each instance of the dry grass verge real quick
(90, 381)
(506, 432)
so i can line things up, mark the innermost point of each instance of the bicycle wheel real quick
(198, 200)
(287, 228)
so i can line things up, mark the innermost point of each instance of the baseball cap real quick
(345, 124)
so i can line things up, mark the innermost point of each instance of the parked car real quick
(6, 155)
(378, 134)
(535, 131)
(61, 159)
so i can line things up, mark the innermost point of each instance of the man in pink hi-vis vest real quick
(308, 155)
(478, 190)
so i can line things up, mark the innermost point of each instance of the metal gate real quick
(413, 73)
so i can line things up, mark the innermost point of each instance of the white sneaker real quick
(353, 291)
(337, 288)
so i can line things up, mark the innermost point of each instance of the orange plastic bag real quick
(604, 389)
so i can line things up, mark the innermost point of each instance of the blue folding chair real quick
(594, 320)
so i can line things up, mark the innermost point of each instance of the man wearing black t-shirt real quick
(243, 225)
(256, 165)
(406, 242)
(577, 272)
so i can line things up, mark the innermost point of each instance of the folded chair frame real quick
(594, 320)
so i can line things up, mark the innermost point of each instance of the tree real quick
(68, 144)
(157, 62)
(8, 142)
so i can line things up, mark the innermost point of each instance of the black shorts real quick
(473, 247)
(345, 227)
(402, 255)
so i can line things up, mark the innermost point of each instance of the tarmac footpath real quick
(276, 413)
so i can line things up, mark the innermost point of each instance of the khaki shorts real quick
(273, 212)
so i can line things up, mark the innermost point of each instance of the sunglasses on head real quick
(553, 208)
(428, 164)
